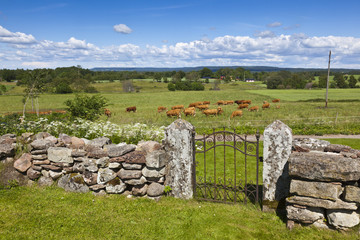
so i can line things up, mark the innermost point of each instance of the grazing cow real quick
(246, 102)
(202, 107)
(215, 112)
(60, 111)
(177, 107)
(220, 102)
(241, 106)
(266, 105)
(238, 102)
(254, 108)
(161, 109)
(107, 112)
(131, 109)
(174, 112)
(206, 102)
(189, 111)
(236, 113)
(229, 102)
(276, 100)
(195, 104)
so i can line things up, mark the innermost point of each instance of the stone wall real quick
(80, 165)
(324, 187)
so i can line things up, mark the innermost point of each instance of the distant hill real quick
(216, 68)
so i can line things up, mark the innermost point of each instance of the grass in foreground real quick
(51, 213)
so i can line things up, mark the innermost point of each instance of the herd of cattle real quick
(204, 107)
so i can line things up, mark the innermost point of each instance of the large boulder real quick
(7, 150)
(320, 166)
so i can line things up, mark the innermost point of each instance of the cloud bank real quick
(265, 48)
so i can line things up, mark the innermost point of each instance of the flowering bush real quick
(87, 129)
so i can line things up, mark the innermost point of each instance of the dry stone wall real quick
(80, 165)
(324, 187)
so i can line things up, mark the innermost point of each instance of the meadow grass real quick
(300, 109)
(52, 213)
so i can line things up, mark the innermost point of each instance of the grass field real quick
(52, 213)
(300, 109)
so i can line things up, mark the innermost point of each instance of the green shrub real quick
(63, 88)
(86, 107)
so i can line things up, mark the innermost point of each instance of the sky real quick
(186, 33)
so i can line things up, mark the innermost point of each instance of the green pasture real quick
(52, 213)
(300, 109)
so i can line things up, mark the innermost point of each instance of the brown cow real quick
(228, 102)
(206, 102)
(238, 102)
(203, 107)
(177, 107)
(241, 106)
(131, 109)
(215, 112)
(161, 109)
(276, 100)
(174, 112)
(195, 104)
(189, 111)
(107, 112)
(246, 101)
(266, 105)
(220, 102)
(236, 113)
(254, 108)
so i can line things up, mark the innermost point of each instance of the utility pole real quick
(327, 83)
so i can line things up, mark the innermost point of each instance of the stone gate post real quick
(179, 147)
(277, 150)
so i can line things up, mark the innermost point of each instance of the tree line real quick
(78, 79)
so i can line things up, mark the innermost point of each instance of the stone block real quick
(60, 155)
(23, 163)
(323, 190)
(319, 166)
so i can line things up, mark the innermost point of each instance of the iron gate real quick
(226, 176)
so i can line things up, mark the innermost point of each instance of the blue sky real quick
(143, 33)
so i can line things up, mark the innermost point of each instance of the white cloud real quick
(15, 38)
(274, 24)
(265, 34)
(266, 48)
(122, 28)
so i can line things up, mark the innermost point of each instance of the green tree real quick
(86, 107)
(157, 77)
(352, 81)
(322, 81)
(171, 87)
(340, 81)
(34, 85)
(206, 72)
(63, 88)
(192, 76)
